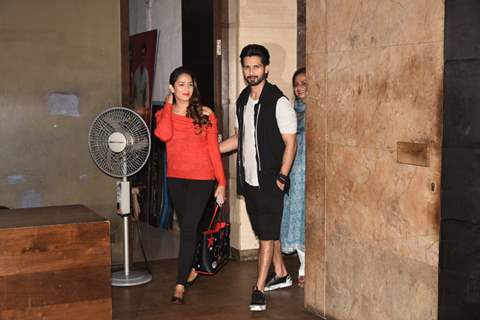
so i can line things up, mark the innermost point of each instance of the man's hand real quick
(280, 185)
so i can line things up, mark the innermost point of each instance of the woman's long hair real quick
(194, 109)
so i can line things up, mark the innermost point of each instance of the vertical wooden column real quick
(125, 55)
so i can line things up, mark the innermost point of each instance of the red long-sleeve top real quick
(190, 155)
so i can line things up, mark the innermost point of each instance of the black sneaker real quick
(273, 282)
(259, 301)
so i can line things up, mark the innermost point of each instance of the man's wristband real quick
(283, 178)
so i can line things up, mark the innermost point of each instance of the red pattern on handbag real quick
(213, 249)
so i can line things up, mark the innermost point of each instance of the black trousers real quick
(189, 197)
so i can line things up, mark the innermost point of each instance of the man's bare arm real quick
(290, 140)
(230, 144)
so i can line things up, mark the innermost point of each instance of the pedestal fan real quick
(119, 143)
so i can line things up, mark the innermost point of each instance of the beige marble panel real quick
(379, 96)
(274, 24)
(315, 184)
(316, 35)
(268, 13)
(375, 70)
(390, 206)
(282, 46)
(372, 23)
(315, 229)
(365, 283)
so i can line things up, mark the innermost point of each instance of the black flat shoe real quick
(178, 300)
(188, 284)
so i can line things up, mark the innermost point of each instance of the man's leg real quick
(265, 255)
(265, 252)
(278, 264)
(280, 277)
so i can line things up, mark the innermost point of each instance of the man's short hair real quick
(255, 50)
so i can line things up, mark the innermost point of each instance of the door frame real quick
(220, 76)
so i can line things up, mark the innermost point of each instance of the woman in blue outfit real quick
(293, 221)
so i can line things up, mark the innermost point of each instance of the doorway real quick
(204, 51)
(200, 49)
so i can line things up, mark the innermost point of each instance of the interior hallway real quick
(223, 296)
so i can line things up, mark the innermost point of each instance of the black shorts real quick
(265, 210)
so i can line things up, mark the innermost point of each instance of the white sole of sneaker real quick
(286, 284)
(254, 307)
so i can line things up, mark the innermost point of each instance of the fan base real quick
(135, 278)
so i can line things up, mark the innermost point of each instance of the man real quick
(266, 141)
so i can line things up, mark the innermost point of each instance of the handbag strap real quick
(217, 207)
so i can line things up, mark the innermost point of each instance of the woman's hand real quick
(169, 96)
(220, 195)
(206, 111)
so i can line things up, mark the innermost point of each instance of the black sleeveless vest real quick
(269, 142)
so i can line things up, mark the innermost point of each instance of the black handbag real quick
(213, 248)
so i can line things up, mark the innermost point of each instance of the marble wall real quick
(375, 72)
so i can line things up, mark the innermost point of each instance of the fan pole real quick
(126, 246)
(126, 238)
(127, 278)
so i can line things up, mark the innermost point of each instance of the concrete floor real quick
(223, 296)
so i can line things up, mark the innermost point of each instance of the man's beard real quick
(253, 81)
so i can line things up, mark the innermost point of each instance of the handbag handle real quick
(217, 207)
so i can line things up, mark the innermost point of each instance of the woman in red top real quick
(193, 165)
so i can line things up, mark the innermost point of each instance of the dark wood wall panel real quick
(53, 248)
(55, 287)
(55, 263)
(87, 310)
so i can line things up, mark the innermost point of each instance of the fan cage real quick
(133, 127)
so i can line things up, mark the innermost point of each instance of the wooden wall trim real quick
(124, 44)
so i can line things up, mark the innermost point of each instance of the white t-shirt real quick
(287, 124)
